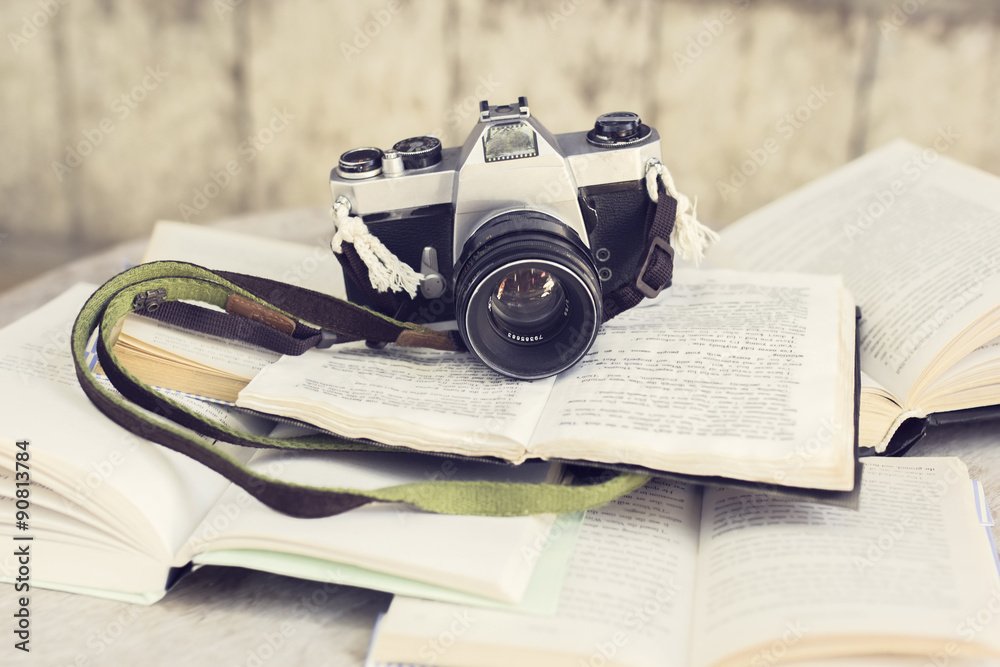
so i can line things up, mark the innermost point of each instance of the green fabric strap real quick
(172, 427)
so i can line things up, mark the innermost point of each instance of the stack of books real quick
(745, 373)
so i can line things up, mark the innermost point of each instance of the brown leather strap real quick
(238, 305)
(264, 326)
(657, 268)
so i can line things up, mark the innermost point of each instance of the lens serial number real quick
(525, 339)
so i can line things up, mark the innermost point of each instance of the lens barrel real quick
(527, 295)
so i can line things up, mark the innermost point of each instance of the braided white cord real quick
(385, 271)
(690, 237)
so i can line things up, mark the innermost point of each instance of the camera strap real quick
(656, 268)
(286, 318)
(671, 224)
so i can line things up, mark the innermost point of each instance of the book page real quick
(626, 600)
(903, 573)
(479, 555)
(726, 373)
(311, 266)
(916, 237)
(234, 357)
(938, 659)
(880, 413)
(71, 553)
(136, 485)
(973, 381)
(424, 399)
(96, 517)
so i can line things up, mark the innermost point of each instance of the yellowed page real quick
(425, 399)
(916, 236)
(626, 600)
(737, 374)
(233, 357)
(978, 372)
(745, 375)
(913, 564)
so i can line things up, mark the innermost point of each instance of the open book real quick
(731, 374)
(311, 266)
(917, 238)
(114, 515)
(728, 374)
(207, 366)
(200, 365)
(673, 575)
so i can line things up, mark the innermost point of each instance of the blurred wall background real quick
(116, 114)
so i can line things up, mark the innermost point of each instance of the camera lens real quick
(527, 295)
(529, 305)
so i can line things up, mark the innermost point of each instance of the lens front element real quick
(529, 305)
(527, 295)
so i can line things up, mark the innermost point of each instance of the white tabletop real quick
(230, 616)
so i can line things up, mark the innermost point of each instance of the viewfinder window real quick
(509, 141)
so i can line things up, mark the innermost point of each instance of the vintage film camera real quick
(520, 233)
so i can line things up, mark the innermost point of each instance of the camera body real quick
(564, 212)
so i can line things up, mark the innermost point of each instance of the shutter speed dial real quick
(419, 152)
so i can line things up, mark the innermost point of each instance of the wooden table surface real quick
(230, 616)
